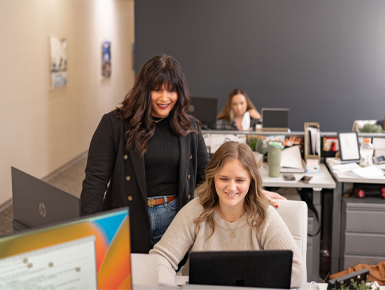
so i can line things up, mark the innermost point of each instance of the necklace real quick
(233, 235)
(157, 121)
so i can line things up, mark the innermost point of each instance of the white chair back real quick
(144, 269)
(294, 214)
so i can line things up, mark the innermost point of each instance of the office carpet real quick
(69, 180)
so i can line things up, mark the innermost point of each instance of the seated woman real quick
(230, 213)
(239, 113)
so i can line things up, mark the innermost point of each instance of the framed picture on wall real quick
(106, 59)
(58, 63)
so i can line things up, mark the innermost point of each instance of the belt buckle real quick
(151, 202)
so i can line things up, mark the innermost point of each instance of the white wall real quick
(41, 129)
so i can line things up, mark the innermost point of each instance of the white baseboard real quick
(6, 204)
(65, 166)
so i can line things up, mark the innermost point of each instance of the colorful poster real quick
(58, 49)
(106, 59)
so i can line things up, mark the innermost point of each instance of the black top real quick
(162, 161)
(110, 163)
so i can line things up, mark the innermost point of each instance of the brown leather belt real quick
(152, 202)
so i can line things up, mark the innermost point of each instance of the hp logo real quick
(42, 209)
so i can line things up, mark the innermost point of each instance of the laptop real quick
(266, 268)
(37, 203)
(204, 109)
(275, 119)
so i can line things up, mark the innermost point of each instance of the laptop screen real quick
(37, 203)
(91, 252)
(266, 268)
(275, 119)
(204, 109)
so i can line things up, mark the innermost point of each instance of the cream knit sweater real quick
(180, 237)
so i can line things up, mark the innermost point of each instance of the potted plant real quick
(359, 286)
(257, 145)
(371, 128)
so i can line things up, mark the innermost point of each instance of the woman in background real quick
(231, 213)
(239, 113)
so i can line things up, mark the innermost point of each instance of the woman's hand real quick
(272, 195)
(254, 114)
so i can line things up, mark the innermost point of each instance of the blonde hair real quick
(227, 112)
(255, 201)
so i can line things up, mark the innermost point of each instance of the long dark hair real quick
(136, 106)
(227, 112)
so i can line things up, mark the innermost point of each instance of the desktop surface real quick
(323, 179)
(307, 286)
(350, 178)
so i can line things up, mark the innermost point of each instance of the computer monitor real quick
(91, 252)
(274, 119)
(204, 109)
(37, 203)
(264, 268)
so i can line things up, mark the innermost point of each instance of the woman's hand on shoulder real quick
(273, 195)
(254, 114)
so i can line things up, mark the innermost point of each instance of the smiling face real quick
(162, 101)
(239, 104)
(232, 184)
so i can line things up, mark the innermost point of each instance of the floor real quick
(69, 180)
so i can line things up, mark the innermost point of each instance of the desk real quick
(347, 181)
(317, 183)
(322, 286)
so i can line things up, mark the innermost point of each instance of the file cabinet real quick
(362, 231)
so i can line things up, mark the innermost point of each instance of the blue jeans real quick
(161, 217)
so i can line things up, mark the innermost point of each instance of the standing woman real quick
(150, 152)
(239, 113)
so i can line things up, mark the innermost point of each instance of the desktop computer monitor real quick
(205, 110)
(91, 252)
(242, 268)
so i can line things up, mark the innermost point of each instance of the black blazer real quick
(109, 161)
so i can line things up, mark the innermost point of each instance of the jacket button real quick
(188, 177)
(190, 157)
(128, 178)
(189, 196)
(125, 156)
(130, 198)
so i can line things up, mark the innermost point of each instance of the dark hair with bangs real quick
(136, 106)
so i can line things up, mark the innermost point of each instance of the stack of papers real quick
(291, 160)
(315, 140)
(353, 169)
